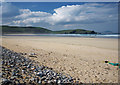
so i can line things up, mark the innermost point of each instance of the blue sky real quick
(62, 15)
(43, 6)
(61, 0)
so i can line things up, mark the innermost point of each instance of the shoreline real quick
(106, 36)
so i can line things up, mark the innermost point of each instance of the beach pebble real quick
(59, 81)
(19, 69)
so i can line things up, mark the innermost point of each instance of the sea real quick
(71, 35)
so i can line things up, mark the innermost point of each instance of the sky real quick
(60, 0)
(62, 15)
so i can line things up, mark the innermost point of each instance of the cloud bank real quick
(84, 15)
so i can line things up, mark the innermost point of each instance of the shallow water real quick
(70, 35)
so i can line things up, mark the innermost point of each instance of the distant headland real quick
(17, 29)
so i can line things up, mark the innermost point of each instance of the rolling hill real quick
(16, 29)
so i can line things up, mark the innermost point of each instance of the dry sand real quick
(82, 58)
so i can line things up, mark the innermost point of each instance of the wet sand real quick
(82, 58)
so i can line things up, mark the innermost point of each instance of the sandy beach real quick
(82, 58)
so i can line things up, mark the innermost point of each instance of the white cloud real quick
(26, 13)
(87, 13)
(70, 15)
(28, 17)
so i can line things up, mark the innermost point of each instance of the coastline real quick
(111, 36)
(72, 55)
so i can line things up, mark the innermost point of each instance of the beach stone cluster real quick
(18, 69)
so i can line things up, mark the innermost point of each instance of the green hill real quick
(76, 31)
(16, 29)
